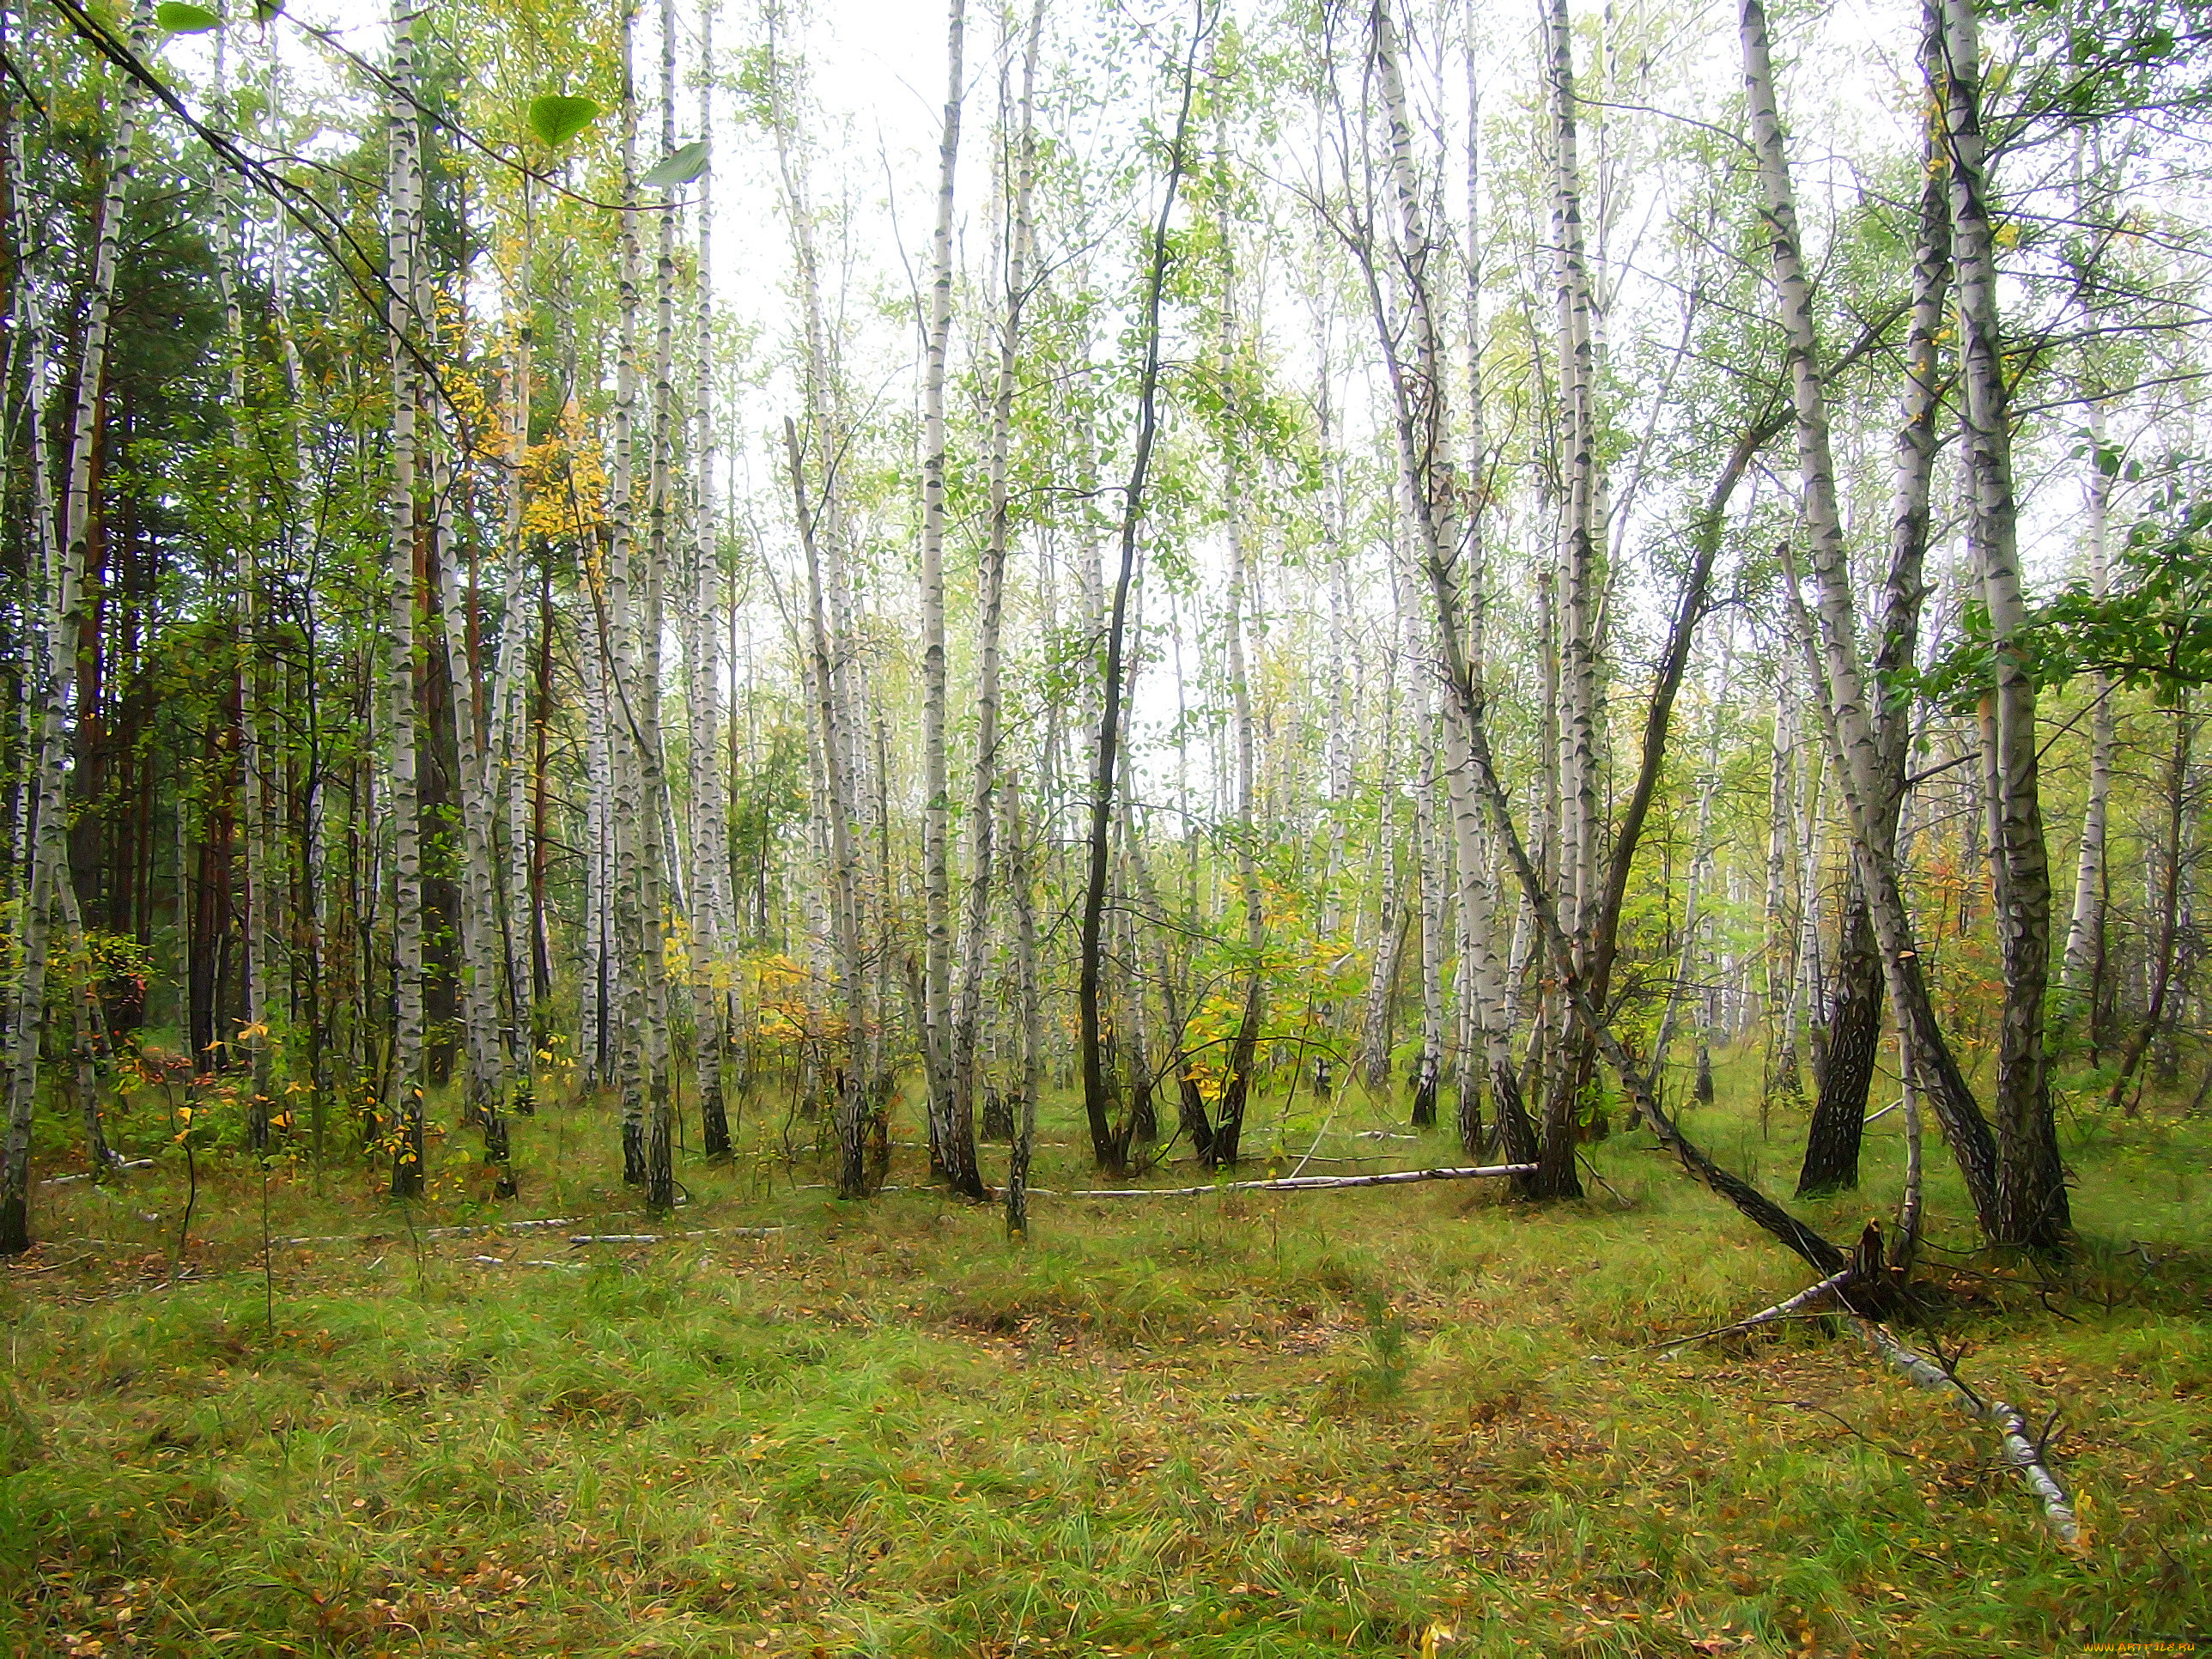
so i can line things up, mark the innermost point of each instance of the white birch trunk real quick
(952, 1133)
(403, 1107)
(1848, 715)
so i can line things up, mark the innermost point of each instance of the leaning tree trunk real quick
(1417, 410)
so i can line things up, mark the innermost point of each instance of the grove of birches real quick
(1483, 560)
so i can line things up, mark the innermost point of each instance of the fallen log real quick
(2023, 1453)
(1304, 1183)
(575, 1239)
(525, 1262)
(428, 1232)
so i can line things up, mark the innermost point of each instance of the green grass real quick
(1233, 1426)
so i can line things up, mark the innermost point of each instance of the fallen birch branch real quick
(1305, 1183)
(429, 1232)
(1782, 1310)
(525, 1262)
(2021, 1452)
(116, 1168)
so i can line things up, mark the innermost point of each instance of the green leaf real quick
(265, 10)
(556, 117)
(680, 166)
(174, 17)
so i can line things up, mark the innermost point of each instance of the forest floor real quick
(1407, 1420)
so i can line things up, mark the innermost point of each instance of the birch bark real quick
(65, 543)
(1847, 713)
(982, 804)
(403, 1101)
(2031, 1208)
(952, 1127)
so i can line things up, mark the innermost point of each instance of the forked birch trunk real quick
(2031, 1208)
(1846, 709)
(1832, 1146)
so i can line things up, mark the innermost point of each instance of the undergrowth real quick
(1405, 1420)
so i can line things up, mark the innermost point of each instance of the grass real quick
(1387, 1421)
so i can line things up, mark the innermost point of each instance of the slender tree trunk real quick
(982, 807)
(1109, 1141)
(403, 1097)
(845, 922)
(253, 769)
(1029, 1022)
(1779, 956)
(1244, 830)
(2171, 857)
(951, 1108)
(713, 923)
